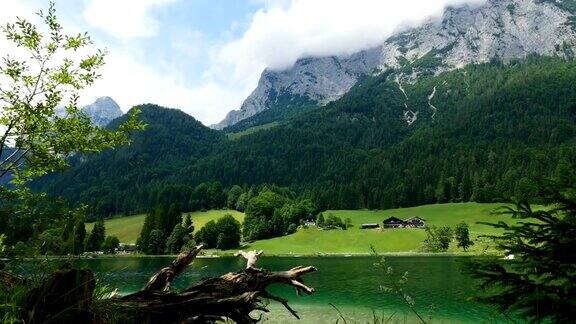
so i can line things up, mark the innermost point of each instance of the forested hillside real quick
(481, 132)
(120, 180)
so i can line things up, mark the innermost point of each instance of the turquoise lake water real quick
(349, 283)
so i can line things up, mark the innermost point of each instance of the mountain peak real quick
(503, 29)
(103, 111)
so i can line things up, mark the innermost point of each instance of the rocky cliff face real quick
(103, 111)
(501, 29)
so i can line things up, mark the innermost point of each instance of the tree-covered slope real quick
(495, 127)
(483, 132)
(118, 180)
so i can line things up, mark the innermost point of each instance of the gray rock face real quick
(103, 111)
(504, 29)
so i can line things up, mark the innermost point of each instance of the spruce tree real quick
(79, 237)
(176, 240)
(147, 227)
(540, 282)
(96, 237)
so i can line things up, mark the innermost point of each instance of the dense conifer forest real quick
(495, 126)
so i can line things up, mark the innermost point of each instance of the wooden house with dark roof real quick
(393, 222)
(415, 222)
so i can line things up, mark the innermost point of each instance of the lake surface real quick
(350, 283)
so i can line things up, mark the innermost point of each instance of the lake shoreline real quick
(279, 255)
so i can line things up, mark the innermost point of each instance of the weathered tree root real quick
(233, 295)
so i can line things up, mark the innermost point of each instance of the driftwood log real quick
(66, 296)
(251, 257)
(233, 295)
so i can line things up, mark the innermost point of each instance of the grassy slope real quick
(251, 130)
(128, 228)
(356, 240)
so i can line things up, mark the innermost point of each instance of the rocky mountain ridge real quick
(502, 29)
(102, 111)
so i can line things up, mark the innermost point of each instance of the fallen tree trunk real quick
(233, 295)
(66, 296)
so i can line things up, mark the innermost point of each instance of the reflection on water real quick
(351, 284)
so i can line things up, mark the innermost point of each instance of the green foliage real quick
(272, 212)
(12, 301)
(156, 242)
(34, 140)
(207, 196)
(33, 88)
(51, 243)
(149, 225)
(228, 233)
(331, 222)
(2, 245)
(79, 237)
(292, 228)
(25, 215)
(164, 219)
(437, 238)
(208, 235)
(96, 237)
(259, 220)
(111, 243)
(233, 196)
(496, 125)
(188, 225)
(278, 112)
(462, 235)
(540, 282)
(155, 159)
(348, 223)
(223, 234)
(320, 220)
(177, 239)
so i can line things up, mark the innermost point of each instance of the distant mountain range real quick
(502, 29)
(102, 111)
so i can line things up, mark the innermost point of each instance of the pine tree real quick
(176, 240)
(156, 242)
(540, 284)
(188, 225)
(79, 237)
(96, 237)
(147, 227)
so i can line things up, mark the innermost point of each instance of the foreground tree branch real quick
(251, 257)
(162, 279)
(233, 295)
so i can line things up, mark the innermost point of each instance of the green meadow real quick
(127, 229)
(313, 241)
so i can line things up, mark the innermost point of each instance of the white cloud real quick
(131, 82)
(277, 35)
(124, 18)
(282, 32)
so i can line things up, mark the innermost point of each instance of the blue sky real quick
(206, 56)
